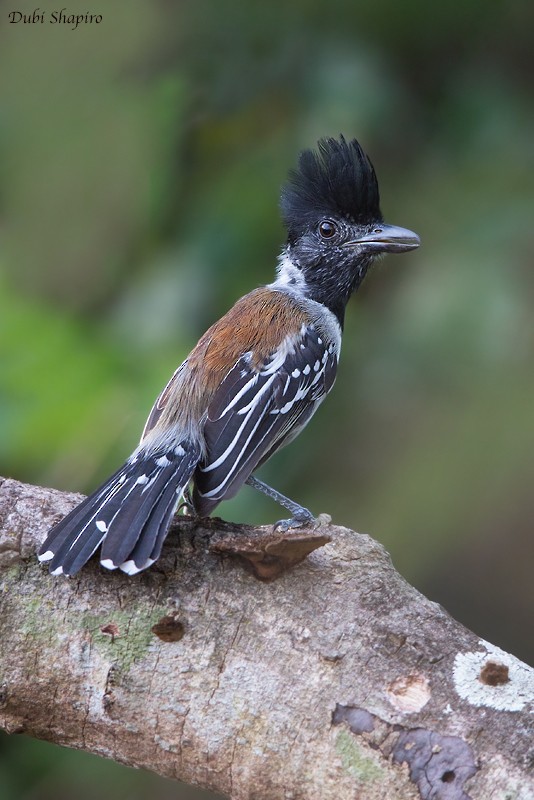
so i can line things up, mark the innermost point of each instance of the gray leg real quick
(301, 516)
(186, 503)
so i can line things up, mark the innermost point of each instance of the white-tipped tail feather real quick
(129, 515)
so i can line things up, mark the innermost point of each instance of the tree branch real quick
(338, 680)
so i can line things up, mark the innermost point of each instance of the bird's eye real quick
(327, 229)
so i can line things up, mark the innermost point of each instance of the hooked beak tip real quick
(388, 239)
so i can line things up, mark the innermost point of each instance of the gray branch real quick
(336, 680)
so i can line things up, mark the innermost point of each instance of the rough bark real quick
(337, 680)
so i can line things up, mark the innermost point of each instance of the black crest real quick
(338, 180)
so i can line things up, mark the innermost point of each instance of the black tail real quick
(129, 514)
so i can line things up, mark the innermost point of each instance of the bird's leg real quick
(186, 505)
(301, 516)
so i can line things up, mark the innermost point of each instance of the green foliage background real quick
(141, 165)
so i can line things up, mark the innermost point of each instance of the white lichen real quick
(512, 695)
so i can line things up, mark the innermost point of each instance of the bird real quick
(254, 379)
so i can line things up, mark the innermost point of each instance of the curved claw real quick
(300, 521)
(186, 505)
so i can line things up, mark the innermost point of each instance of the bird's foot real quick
(302, 519)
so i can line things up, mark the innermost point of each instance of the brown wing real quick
(256, 325)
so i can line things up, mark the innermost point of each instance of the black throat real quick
(331, 283)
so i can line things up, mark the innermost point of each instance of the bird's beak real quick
(387, 239)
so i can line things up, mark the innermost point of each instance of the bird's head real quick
(331, 209)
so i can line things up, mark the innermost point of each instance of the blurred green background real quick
(141, 165)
